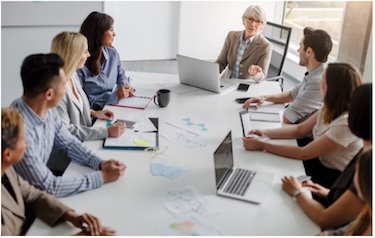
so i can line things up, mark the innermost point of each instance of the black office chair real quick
(279, 36)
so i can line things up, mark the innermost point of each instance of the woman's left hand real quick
(87, 222)
(291, 184)
(254, 70)
(252, 143)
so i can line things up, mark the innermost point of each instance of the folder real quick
(135, 140)
(140, 100)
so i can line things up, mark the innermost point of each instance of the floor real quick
(170, 67)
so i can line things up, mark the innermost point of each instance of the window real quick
(325, 15)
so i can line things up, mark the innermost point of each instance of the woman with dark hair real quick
(18, 197)
(343, 202)
(333, 143)
(103, 78)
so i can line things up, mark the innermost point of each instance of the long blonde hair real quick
(69, 45)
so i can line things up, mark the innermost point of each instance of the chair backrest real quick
(279, 36)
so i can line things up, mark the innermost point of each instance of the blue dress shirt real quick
(101, 89)
(41, 134)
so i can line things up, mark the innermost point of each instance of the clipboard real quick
(140, 100)
(135, 140)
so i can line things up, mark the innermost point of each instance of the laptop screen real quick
(223, 160)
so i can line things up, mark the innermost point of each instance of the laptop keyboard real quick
(239, 182)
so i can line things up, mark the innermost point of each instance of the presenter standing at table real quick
(44, 84)
(247, 54)
(103, 78)
(305, 98)
(74, 107)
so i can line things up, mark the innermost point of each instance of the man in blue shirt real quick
(305, 98)
(44, 84)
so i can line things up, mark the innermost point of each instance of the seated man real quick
(18, 197)
(44, 83)
(305, 98)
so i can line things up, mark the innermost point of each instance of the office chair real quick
(279, 36)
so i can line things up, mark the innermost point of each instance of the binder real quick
(135, 140)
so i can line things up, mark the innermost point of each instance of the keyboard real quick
(239, 182)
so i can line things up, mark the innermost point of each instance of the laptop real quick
(202, 74)
(234, 182)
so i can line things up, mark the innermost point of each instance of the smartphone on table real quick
(243, 87)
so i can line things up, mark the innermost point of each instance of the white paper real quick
(143, 123)
(178, 88)
(189, 123)
(264, 116)
(185, 201)
(183, 138)
(133, 139)
(141, 99)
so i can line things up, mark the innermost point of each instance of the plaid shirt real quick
(241, 50)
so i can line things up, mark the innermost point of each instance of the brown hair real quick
(319, 41)
(364, 170)
(94, 27)
(342, 79)
(12, 124)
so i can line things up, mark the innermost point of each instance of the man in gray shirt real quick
(305, 98)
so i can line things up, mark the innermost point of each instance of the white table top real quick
(133, 204)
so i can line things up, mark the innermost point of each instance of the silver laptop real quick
(248, 185)
(202, 74)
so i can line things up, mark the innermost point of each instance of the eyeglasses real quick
(251, 20)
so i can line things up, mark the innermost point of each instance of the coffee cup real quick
(162, 97)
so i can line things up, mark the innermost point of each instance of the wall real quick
(25, 32)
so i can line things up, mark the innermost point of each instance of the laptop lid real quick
(201, 74)
(223, 160)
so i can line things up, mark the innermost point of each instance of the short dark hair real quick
(360, 112)
(12, 125)
(319, 41)
(38, 71)
(94, 27)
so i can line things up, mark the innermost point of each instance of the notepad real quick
(140, 100)
(133, 139)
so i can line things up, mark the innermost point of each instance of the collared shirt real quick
(306, 96)
(41, 135)
(244, 44)
(101, 89)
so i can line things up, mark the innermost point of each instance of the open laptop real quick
(235, 182)
(202, 74)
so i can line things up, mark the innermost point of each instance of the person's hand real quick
(104, 231)
(258, 100)
(252, 143)
(254, 70)
(112, 170)
(291, 184)
(316, 189)
(258, 132)
(116, 130)
(125, 91)
(103, 114)
(87, 222)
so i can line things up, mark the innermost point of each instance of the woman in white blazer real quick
(74, 107)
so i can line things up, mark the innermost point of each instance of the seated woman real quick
(19, 197)
(342, 193)
(74, 107)
(333, 142)
(103, 78)
(247, 53)
(362, 225)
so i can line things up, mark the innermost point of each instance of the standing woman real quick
(247, 53)
(103, 78)
(74, 107)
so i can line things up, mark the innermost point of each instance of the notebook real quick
(235, 182)
(202, 74)
(140, 100)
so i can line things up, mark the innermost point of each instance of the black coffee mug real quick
(163, 97)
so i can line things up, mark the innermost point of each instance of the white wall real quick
(145, 29)
(22, 34)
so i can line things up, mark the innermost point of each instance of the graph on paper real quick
(189, 123)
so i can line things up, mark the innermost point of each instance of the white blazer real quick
(76, 118)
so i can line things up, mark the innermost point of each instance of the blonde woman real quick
(74, 107)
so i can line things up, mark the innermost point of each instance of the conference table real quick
(135, 204)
